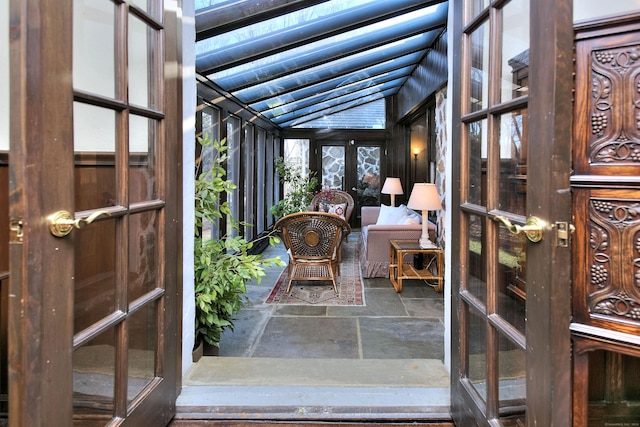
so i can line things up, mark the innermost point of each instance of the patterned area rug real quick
(321, 293)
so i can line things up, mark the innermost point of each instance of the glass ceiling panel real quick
(339, 85)
(326, 71)
(309, 65)
(312, 64)
(320, 102)
(386, 31)
(367, 116)
(276, 24)
(204, 4)
(232, 53)
(342, 107)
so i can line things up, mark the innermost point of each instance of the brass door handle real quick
(62, 222)
(532, 228)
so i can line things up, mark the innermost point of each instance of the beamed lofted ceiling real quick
(293, 61)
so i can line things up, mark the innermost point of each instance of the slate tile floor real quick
(407, 325)
(383, 361)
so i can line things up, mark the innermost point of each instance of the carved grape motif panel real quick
(615, 87)
(614, 251)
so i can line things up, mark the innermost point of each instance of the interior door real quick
(362, 182)
(94, 212)
(510, 276)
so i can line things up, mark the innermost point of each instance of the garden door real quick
(362, 182)
(511, 226)
(94, 212)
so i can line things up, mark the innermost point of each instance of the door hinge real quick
(563, 229)
(15, 231)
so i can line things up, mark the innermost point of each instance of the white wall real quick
(448, 205)
(189, 100)
(590, 9)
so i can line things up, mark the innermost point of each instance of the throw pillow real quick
(338, 209)
(391, 215)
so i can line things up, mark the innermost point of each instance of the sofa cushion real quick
(391, 215)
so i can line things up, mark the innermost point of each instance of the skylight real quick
(296, 62)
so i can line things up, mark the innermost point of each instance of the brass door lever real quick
(532, 228)
(62, 222)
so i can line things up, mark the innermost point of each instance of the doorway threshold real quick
(315, 389)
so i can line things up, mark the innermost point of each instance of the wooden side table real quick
(400, 269)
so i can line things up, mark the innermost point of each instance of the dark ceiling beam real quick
(231, 15)
(308, 32)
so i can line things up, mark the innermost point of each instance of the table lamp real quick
(392, 186)
(425, 198)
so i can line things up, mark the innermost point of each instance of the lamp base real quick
(424, 241)
(426, 244)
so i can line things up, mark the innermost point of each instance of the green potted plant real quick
(223, 265)
(299, 189)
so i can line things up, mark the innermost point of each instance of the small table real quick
(399, 269)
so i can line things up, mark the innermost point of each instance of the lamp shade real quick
(392, 186)
(424, 197)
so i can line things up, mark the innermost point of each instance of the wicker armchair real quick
(337, 196)
(312, 240)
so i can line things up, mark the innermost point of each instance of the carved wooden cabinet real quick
(606, 208)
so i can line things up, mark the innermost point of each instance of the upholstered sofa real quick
(373, 244)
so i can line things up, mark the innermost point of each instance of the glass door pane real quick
(369, 175)
(119, 286)
(333, 172)
(249, 182)
(260, 184)
(233, 171)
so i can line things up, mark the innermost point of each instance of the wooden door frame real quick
(548, 289)
(40, 386)
(549, 302)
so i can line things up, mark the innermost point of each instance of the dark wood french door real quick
(94, 206)
(511, 226)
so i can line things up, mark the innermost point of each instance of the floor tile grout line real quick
(256, 341)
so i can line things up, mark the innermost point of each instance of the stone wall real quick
(368, 185)
(441, 155)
